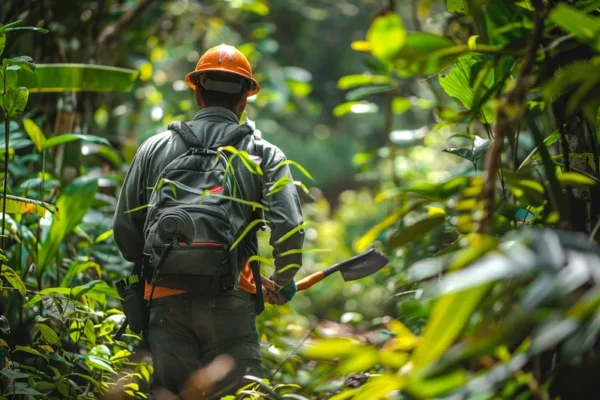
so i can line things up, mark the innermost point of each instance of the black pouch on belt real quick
(134, 306)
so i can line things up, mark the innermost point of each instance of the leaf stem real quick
(5, 179)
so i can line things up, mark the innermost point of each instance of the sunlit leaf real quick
(387, 35)
(415, 231)
(2, 39)
(247, 230)
(379, 387)
(59, 78)
(362, 92)
(48, 334)
(585, 28)
(460, 82)
(13, 279)
(400, 105)
(97, 362)
(15, 100)
(35, 133)
(458, 6)
(279, 185)
(104, 236)
(575, 179)
(292, 232)
(328, 349)
(372, 234)
(463, 153)
(21, 205)
(448, 318)
(352, 81)
(72, 205)
(70, 137)
(480, 145)
(297, 165)
(356, 107)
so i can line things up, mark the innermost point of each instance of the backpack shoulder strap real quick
(258, 142)
(186, 134)
(234, 136)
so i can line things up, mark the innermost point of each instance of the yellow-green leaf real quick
(386, 35)
(297, 165)
(48, 334)
(103, 236)
(328, 349)
(88, 331)
(21, 205)
(35, 133)
(447, 320)
(250, 226)
(364, 241)
(575, 179)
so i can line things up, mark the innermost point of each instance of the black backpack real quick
(189, 230)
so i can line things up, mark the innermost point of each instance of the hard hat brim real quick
(191, 85)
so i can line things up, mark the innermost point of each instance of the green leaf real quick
(464, 153)
(352, 81)
(426, 53)
(299, 89)
(297, 165)
(575, 179)
(12, 374)
(480, 145)
(48, 334)
(448, 318)
(416, 231)
(15, 100)
(357, 107)
(291, 232)
(14, 279)
(2, 39)
(400, 105)
(60, 78)
(104, 236)
(70, 137)
(328, 349)
(22, 62)
(460, 83)
(72, 205)
(372, 234)
(279, 185)
(88, 331)
(35, 133)
(22, 205)
(583, 27)
(386, 35)
(247, 230)
(29, 350)
(97, 362)
(362, 92)
(457, 6)
(76, 268)
(548, 141)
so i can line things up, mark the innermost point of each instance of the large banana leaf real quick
(77, 78)
(72, 205)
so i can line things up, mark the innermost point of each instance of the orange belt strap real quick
(246, 284)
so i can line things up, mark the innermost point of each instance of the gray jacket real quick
(284, 211)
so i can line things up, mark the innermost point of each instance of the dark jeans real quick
(188, 331)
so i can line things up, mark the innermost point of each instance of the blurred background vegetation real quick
(460, 137)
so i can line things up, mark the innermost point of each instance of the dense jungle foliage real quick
(459, 137)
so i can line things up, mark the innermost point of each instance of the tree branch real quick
(510, 112)
(113, 31)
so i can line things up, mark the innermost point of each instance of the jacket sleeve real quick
(128, 227)
(284, 216)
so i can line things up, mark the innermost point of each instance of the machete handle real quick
(310, 280)
(302, 284)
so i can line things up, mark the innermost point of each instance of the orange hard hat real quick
(223, 58)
